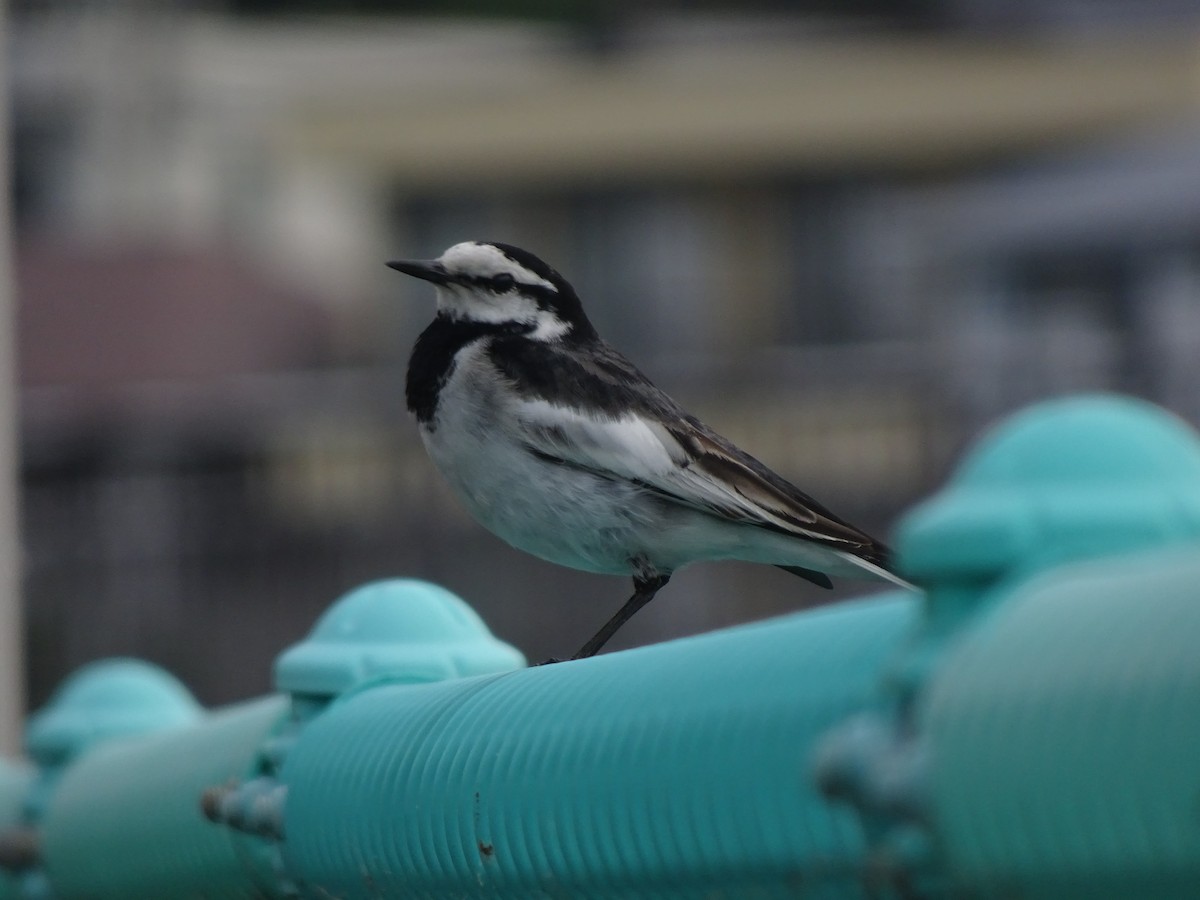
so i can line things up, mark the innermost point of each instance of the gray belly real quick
(563, 515)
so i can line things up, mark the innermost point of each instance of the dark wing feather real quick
(776, 502)
(820, 579)
(631, 430)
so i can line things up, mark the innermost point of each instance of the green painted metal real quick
(1045, 733)
(105, 700)
(113, 699)
(402, 629)
(670, 771)
(125, 819)
(1067, 479)
(1066, 736)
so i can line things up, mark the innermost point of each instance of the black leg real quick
(644, 590)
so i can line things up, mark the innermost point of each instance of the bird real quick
(559, 445)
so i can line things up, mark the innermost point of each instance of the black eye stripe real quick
(544, 296)
(486, 282)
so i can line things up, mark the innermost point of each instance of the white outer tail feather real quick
(878, 571)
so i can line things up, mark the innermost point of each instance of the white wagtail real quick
(554, 441)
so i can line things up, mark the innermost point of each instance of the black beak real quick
(426, 269)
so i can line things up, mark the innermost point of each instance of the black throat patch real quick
(432, 360)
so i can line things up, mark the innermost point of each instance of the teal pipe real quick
(125, 819)
(105, 701)
(132, 769)
(677, 770)
(1062, 722)
(1044, 738)
(1066, 735)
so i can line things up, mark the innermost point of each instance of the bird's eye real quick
(503, 282)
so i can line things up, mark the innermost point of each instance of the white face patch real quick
(485, 261)
(475, 304)
(548, 327)
(478, 304)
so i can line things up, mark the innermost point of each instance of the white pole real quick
(12, 666)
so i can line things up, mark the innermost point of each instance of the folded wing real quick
(687, 463)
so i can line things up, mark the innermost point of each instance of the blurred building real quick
(847, 243)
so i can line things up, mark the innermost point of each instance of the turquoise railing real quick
(1028, 726)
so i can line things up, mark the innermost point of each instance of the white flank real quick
(626, 446)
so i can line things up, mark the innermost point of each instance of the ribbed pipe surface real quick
(679, 770)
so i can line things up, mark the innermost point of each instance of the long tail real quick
(820, 579)
(877, 570)
(872, 568)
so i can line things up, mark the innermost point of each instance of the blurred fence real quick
(202, 526)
